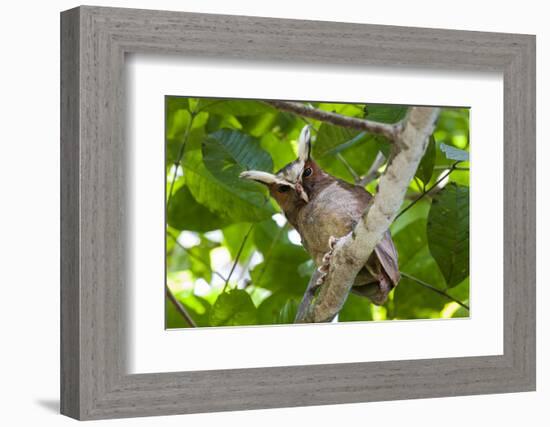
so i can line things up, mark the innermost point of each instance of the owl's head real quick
(291, 186)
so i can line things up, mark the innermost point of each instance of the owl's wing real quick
(359, 193)
(385, 250)
(387, 254)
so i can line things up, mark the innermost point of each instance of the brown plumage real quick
(320, 206)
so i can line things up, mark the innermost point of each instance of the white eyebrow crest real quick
(304, 144)
(294, 171)
(264, 177)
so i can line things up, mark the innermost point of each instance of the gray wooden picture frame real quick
(94, 41)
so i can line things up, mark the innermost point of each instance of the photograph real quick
(259, 191)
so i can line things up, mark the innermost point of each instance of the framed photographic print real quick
(300, 212)
(236, 259)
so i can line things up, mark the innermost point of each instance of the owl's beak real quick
(301, 192)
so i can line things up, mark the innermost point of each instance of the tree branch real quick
(352, 251)
(188, 252)
(372, 173)
(239, 252)
(180, 308)
(387, 130)
(425, 192)
(436, 290)
(179, 158)
(312, 286)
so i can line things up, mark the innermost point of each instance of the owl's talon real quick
(325, 261)
(312, 289)
(321, 279)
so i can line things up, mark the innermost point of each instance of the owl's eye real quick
(283, 188)
(307, 172)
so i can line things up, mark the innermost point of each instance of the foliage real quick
(231, 258)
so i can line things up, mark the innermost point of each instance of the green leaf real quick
(307, 268)
(270, 308)
(410, 300)
(426, 166)
(173, 319)
(461, 177)
(197, 307)
(196, 259)
(174, 103)
(330, 137)
(222, 198)
(448, 232)
(227, 153)
(233, 236)
(177, 116)
(359, 150)
(453, 153)
(281, 151)
(356, 308)
(461, 291)
(177, 123)
(184, 213)
(461, 312)
(260, 124)
(385, 113)
(216, 122)
(351, 110)
(279, 270)
(287, 314)
(234, 107)
(234, 308)
(199, 259)
(177, 258)
(418, 211)
(268, 234)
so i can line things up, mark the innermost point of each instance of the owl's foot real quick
(325, 263)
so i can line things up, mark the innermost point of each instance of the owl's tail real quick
(375, 287)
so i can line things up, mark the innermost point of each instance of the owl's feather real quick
(320, 206)
(334, 210)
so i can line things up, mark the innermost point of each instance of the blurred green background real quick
(231, 258)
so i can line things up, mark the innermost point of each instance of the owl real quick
(322, 208)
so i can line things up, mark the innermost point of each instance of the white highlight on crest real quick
(304, 144)
(263, 177)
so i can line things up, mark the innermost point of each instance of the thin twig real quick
(420, 184)
(433, 288)
(345, 145)
(389, 131)
(424, 193)
(177, 163)
(180, 308)
(458, 168)
(270, 250)
(192, 255)
(373, 173)
(239, 252)
(350, 169)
